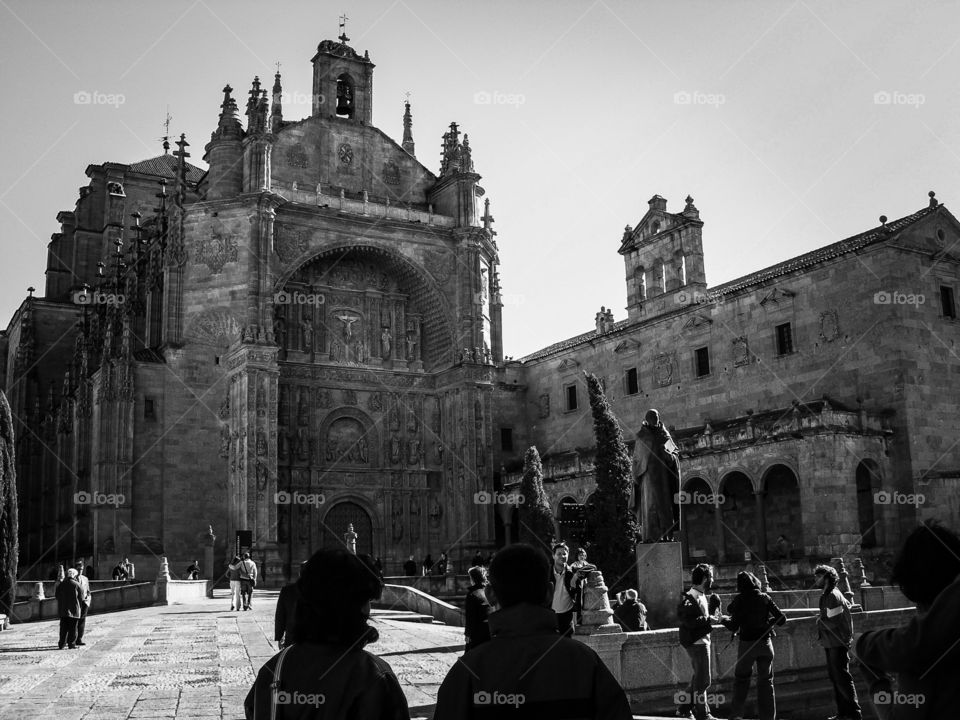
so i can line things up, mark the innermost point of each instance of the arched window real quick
(345, 96)
(682, 270)
(641, 275)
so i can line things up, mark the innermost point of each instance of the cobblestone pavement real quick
(185, 661)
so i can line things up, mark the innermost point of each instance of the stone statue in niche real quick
(261, 443)
(376, 402)
(307, 330)
(436, 513)
(360, 352)
(349, 397)
(413, 452)
(363, 450)
(411, 347)
(280, 332)
(303, 406)
(394, 415)
(394, 449)
(335, 350)
(438, 452)
(397, 517)
(385, 340)
(323, 399)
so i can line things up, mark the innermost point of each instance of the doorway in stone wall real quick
(335, 523)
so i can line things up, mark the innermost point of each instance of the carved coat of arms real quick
(216, 251)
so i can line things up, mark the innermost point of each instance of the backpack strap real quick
(275, 685)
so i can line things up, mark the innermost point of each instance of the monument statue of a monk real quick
(656, 477)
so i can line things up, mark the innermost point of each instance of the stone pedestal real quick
(597, 617)
(660, 581)
(37, 592)
(843, 583)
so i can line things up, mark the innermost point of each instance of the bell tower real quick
(342, 80)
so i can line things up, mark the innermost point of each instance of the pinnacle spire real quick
(408, 144)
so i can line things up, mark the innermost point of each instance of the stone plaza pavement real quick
(186, 661)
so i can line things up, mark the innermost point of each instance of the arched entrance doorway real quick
(335, 524)
(868, 484)
(738, 517)
(782, 513)
(566, 531)
(698, 526)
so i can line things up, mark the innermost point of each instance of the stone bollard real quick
(859, 574)
(163, 578)
(38, 592)
(843, 583)
(764, 580)
(597, 617)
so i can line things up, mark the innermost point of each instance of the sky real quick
(791, 124)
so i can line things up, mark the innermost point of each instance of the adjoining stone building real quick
(301, 337)
(814, 399)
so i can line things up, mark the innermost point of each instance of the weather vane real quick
(343, 28)
(278, 67)
(166, 132)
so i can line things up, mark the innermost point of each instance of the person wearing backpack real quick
(835, 630)
(753, 614)
(699, 608)
(248, 580)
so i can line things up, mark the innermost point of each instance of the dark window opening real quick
(345, 96)
(702, 356)
(784, 339)
(633, 382)
(149, 412)
(947, 306)
(506, 439)
(571, 392)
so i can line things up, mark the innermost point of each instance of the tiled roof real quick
(165, 166)
(819, 255)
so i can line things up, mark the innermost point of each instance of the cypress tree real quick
(8, 512)
(536, 518)
(613, 526)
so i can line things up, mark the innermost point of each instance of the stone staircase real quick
(402, 616)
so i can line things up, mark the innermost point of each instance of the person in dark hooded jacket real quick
(752, 615)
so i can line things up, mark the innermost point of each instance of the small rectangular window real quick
(702, 356)
(784, 339)
(149, 413)
(506, 439)
(570, 391)
(633, 382)
(947, 306)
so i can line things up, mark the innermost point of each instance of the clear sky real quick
(766, 112)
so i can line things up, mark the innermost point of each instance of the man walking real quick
(233, 575)
(248, 580)
(699, 609)
(526, 670)
(69, 596)
(565, 589)
(85, 598)
(835, 629)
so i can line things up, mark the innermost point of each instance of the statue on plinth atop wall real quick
(656, 476)
(351, 538)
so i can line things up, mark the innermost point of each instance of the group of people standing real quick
(242, 574)
(427, 566)
(73, 603)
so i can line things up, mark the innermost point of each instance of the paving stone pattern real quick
(185, 661)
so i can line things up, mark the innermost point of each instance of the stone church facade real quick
(307, 335)
(814, 399)
(301, 338)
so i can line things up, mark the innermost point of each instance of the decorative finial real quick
(31, 290)
(883, 220)
(933, 199)
(166, 132)
(278, 68)
(343, 29)
(689, 200)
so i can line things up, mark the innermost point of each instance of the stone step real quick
(403, 616)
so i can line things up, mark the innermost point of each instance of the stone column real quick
(761, 525)
(721, 538)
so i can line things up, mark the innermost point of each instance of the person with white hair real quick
(69, 596)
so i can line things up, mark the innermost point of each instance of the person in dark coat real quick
(119, 572)
(476, 608)
(69, 596)
(285, 617)
(753, 614)
(427, 565)
(193, 572)
(410, 567)
(631, 614)
(477, 560)
(327, 672)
